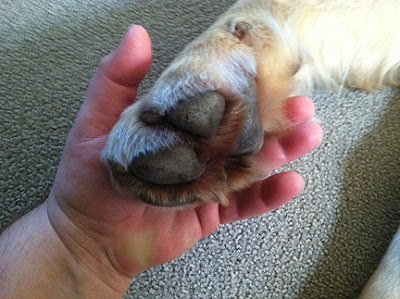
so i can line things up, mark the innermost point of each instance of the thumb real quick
(115, 84)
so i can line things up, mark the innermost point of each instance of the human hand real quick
(116, 236)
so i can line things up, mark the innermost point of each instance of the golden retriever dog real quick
(193, 137)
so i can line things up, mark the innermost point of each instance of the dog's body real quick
(257, 54)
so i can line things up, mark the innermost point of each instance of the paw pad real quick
(176, 165)
(251, 139)
(201, 117)
(214, 137)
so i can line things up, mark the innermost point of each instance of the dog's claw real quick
(201, 116)
(176, 165)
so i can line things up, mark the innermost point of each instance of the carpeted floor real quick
(324, 244)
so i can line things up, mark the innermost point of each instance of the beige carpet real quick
(324, 244)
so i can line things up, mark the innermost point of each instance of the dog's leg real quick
(191, 139)
(385, 282)
(352, 43)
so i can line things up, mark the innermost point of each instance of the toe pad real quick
(201, 116)
(176, 165)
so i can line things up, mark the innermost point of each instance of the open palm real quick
(122, 233)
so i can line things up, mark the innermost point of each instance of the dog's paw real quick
(194, 148)
(193, 137)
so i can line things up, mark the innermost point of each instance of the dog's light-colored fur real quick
(288, 47)
(334, 42)
(385, 283)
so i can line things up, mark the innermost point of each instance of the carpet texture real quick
(324, 244)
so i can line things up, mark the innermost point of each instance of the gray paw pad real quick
(201, 116)
(176, 165)
(252, 137)
(172, 201)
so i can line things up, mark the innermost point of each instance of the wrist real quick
(91, 254)
(36, 263)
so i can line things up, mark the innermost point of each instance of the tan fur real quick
(385, 283)
(288, 47)
(352, 43)
(336, 43)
